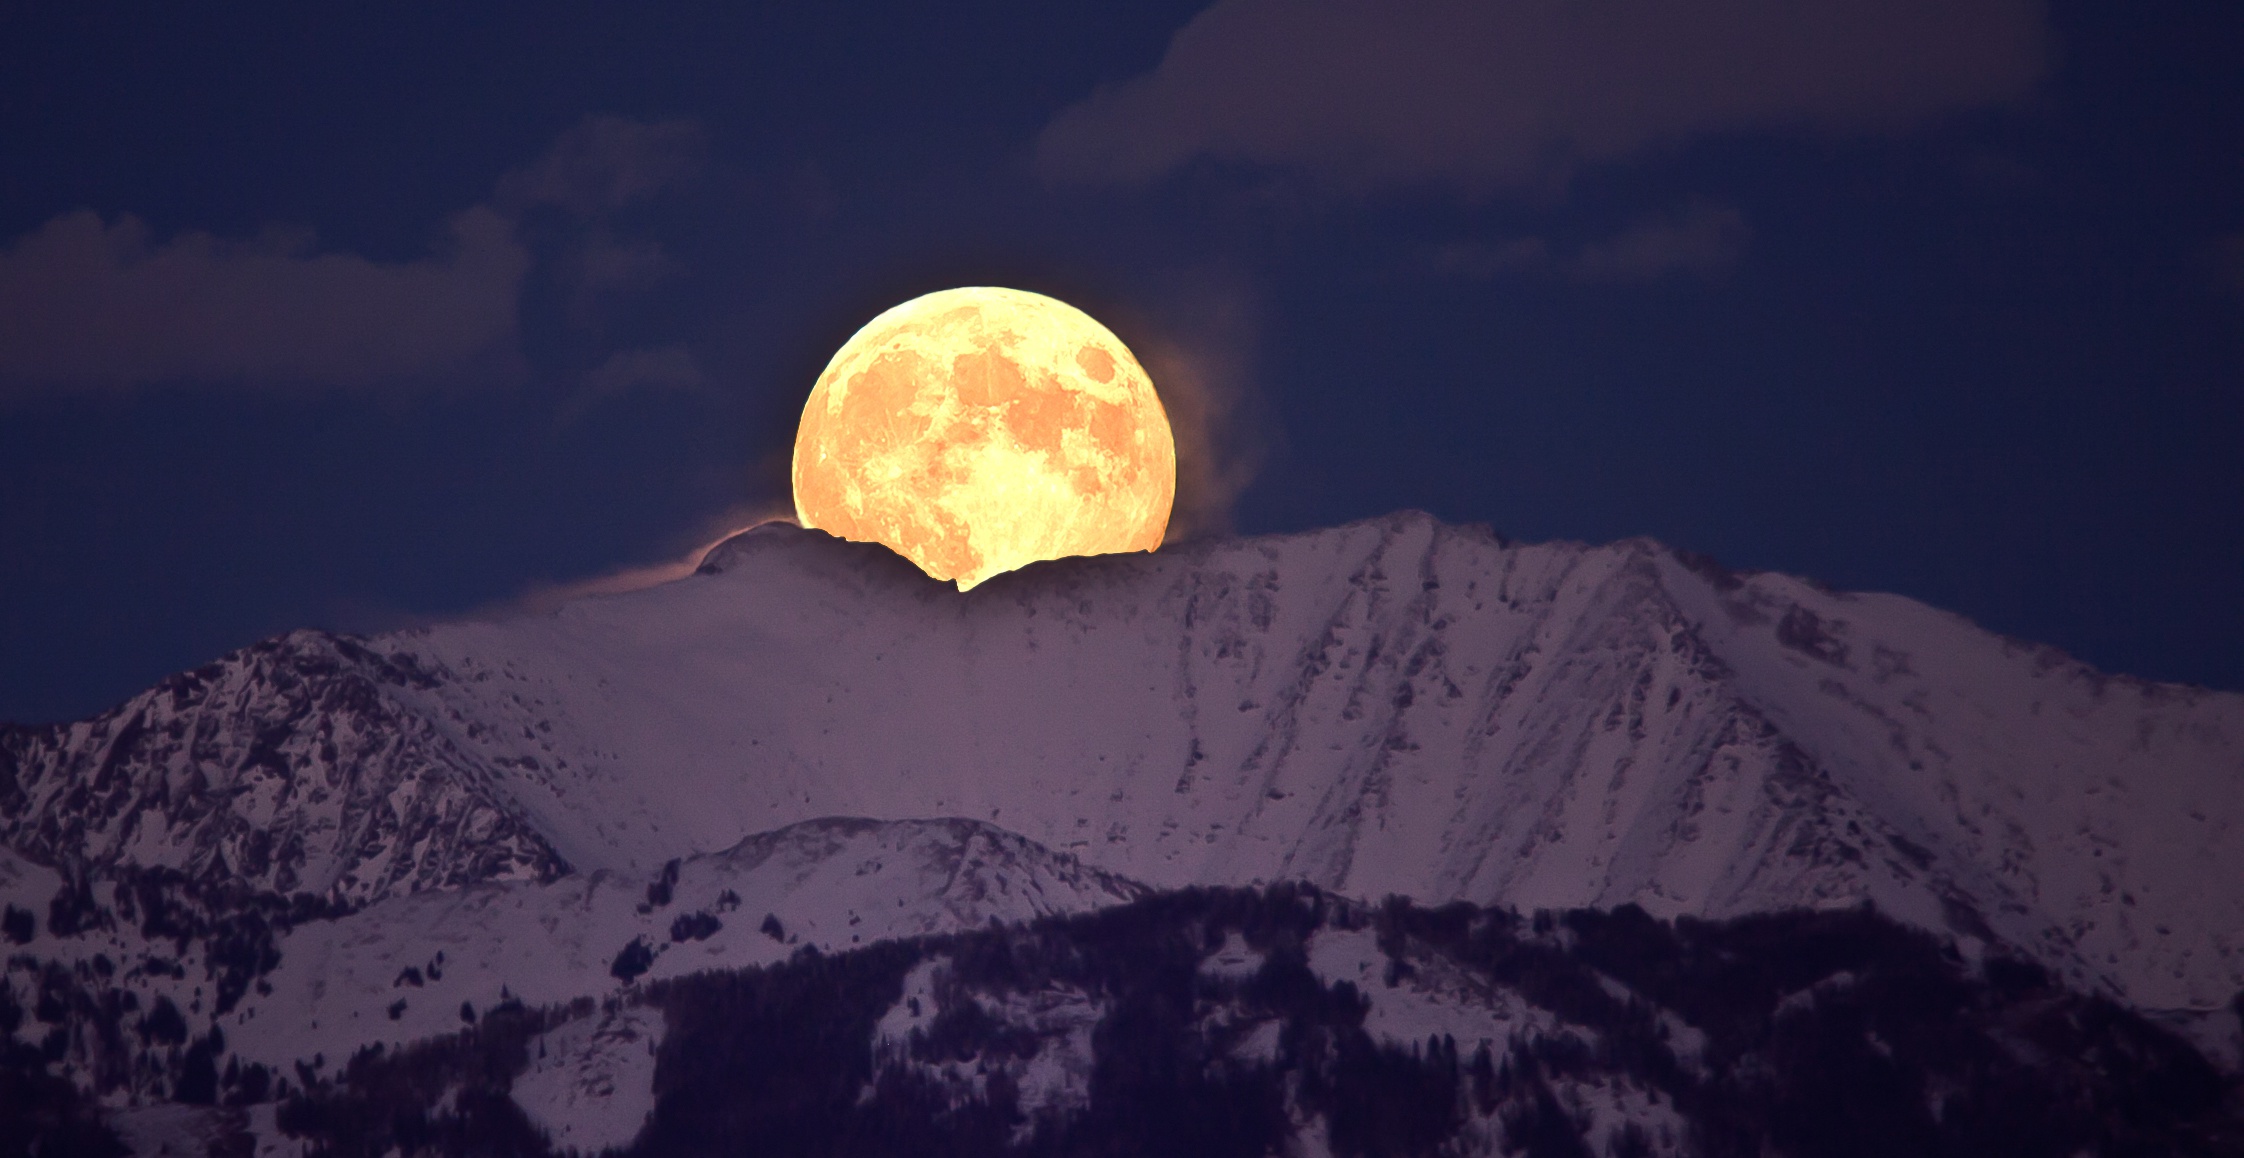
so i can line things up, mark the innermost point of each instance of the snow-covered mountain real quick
(1395, 706)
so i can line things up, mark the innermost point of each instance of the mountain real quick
(1396, 706)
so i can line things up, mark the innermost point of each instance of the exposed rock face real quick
(288, 767)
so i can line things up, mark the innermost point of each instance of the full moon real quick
(977, 430)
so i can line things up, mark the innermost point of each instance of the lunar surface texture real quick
(980, 429)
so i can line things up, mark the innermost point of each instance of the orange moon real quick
(977, 430)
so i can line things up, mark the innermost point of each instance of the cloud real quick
(666, 368)
(598, 166)
(1480, 260)
(2228, 261)
(669, 369)
(605, 163)
(1703, 241)
(1483, 96)
(88, 304)
(608, 265)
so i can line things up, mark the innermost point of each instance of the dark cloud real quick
(1485, 259)
(661, 369)
(1702, 241)
(606, 264)
(2000, 174)
(664, 368)
(2228, 260)
(599, 166)
(1369, 94)
(93, 305)
(605, 163)
(599, 269)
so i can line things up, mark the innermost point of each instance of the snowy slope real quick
(1392, 706)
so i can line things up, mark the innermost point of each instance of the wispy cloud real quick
(1478, 96)
(542, 598)
(597, 168)
(1200, 352)
(1479, 259)
(605, 163)
(2228, 260)
(661, 369)
(1701, 241)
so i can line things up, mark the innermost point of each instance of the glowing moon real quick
(976, 430)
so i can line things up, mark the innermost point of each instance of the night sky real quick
(349, 316)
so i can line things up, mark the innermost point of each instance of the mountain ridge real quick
(1390, 706)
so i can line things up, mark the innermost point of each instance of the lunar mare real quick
(976, 430)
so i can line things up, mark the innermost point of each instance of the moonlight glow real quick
(976, 430)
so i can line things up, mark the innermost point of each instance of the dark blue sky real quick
(328, 315)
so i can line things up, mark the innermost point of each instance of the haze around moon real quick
(979, 429)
